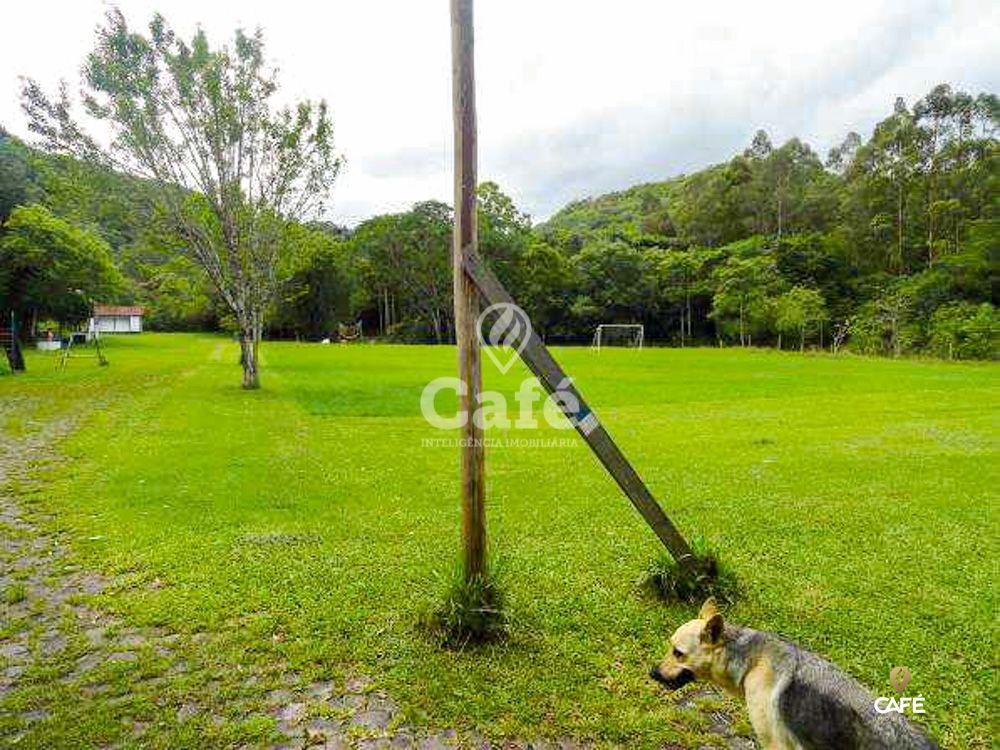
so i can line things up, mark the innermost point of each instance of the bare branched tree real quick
(226, 170)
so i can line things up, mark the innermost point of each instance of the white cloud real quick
(575, 97)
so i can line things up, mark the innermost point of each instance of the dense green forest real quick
(889, 245)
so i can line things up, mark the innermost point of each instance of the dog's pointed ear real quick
(712, 632)
(708, 609)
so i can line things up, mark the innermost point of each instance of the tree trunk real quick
(248, 358)
(15, 357)
(932, 180)
(780, 216)
(930, 234)
(742, 337)
(899, 232)
(436, 322)
(687, 304)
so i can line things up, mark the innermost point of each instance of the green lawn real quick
(305, 526)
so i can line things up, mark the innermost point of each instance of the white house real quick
(116, 319)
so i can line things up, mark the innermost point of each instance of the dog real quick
(796, 700)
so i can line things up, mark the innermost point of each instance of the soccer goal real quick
(629, 335)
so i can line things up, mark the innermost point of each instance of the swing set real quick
(81, 338)
(67, 351)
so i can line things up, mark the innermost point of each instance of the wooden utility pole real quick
(465, 245)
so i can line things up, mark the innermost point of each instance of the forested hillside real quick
(888, 245)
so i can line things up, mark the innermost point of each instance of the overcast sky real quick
(575, 98)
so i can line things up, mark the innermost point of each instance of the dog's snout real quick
(682, 678)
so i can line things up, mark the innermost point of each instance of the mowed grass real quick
(309, 524)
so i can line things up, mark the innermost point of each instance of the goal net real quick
(628, 335)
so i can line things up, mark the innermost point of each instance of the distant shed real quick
(117, 319)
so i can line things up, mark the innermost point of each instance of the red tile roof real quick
(118, 310)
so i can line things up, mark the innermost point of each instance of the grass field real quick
(305, 528)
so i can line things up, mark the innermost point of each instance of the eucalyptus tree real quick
(224, 167)
(684, 274)
(934, 114)
(841, 157)
(887, 168)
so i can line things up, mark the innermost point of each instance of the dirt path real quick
(56, 647)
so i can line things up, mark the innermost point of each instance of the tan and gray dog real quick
(796, 700)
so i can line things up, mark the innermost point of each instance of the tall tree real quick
(545, 283)
(744, 287)
(615, 284)
(890, 162)
(319, 283)
(405, 269)
(933, 115)
(52, 269)
(14, 183)
(683, 275)
(504, 232)
(759, 193)
(226, 168)
(841, 157)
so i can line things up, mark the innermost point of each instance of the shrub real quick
(471, 611)
(668, 580)
(866, 332)
(963, 330)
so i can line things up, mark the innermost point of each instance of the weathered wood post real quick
(464, 244)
